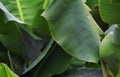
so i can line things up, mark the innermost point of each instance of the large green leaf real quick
(110, 54)
(56, 62)
(73, 28)
(17, 38)
(6, 72)
(110, 10)
(25, 10)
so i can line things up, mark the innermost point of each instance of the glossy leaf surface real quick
(72, 27)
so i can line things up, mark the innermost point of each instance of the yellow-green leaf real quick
(6, 72)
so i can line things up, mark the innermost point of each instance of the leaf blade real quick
(67, 22)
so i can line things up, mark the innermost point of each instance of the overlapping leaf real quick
(40, 26)
(56, 62)
(72, 27)
(25, 10)
(17, 38)
(109, 53)
(42, 55)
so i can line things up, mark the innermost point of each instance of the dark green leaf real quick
(17, 38)
(2, 48)
(40, 57)
(4, 57)
(55, 62)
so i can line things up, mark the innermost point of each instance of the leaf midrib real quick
(20, 10)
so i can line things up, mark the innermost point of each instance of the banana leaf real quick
(23, 45)
(74, 29)
(55, 62)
